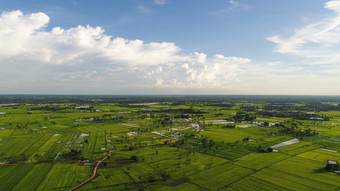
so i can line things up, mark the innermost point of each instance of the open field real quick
(170, 144)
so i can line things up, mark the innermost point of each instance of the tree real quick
(37, 156)
(134, 158)
(73, 155)
(23, 156)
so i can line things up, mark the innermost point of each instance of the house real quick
(84, 107)
(332, 166)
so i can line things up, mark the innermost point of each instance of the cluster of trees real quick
(245, 139)
(228, 126)
(165, 121)
(319, 106)
(182, 116)
(295, 115)
(207, 143)
(105, 117)
(243, 116)
(182, 110)
(262, 150)
(296, 131)
(73, 155)
(217, 104)
(286, 107)
(17, 159)
(249, 108)
(50, 108)
(151, 177)
(134, 158)
(19, 126)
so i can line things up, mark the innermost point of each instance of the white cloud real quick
(159, 2)
(199, 72)
(316, 40)
(136, 52)
(86, 55)
(234, 3)
(17, 29)
(24, 36)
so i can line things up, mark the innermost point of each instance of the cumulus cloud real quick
(24, 36)
(199, 72)
(17, 29)
(316, 40)
(87, 53)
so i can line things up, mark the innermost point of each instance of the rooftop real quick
(332, 162)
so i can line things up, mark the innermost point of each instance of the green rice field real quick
(172, 144)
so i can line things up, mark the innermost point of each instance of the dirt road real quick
(94, 172)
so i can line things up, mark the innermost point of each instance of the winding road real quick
(94, 171)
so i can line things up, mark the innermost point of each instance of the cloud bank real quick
(85, 54)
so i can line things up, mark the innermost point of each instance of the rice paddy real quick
(163, 146)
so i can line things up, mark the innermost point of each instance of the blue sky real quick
(170, 47)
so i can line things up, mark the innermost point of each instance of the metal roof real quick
(332, 162)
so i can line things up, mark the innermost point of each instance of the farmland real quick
(168, 143)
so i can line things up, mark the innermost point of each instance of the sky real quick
(164, 47)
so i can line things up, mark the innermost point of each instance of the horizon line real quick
(56, 94)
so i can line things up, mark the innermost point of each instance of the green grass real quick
(228, 164)
(320, 155)
(307, 168)
(140, 172)
(64, 177)
(6, 132)
(51, 148)
(298, 148)
(32, 180)
(10, 176)
(17, 146)
(183, 186)
(253, 183)
(35, 147)
(220, 176)
(45, 148)
(109, 177)
(260, 160)
(291, 181)
(89, 147)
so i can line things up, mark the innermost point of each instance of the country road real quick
(94, 171)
